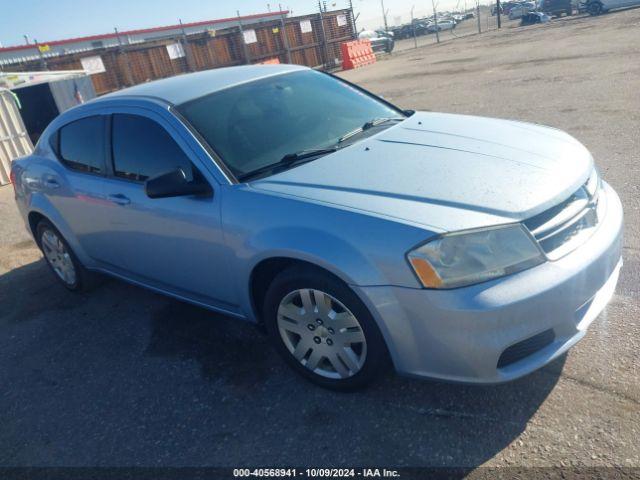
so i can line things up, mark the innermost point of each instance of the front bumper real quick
(460, 334)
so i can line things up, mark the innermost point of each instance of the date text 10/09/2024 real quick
(316, 472)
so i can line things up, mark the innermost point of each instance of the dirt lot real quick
(124, 377)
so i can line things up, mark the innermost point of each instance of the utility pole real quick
(324, 37)
(187, 48)
(478, 15)
(285, 39)
(353, 17)
(43, 62)
(127, 62)
(384, 16)
(498, 11)
(245, 49)
(435, 19)
(413, 28)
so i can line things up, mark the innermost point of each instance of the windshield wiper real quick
(367, 125)
(294, 157)
(288, 160)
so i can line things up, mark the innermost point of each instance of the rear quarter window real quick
(80, 144)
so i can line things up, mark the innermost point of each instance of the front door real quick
(175, 244)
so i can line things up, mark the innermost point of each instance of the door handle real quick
(51, 183)
(119, 198)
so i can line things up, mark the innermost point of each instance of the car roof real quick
(182, 88)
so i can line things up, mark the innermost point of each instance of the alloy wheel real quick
(322, 334)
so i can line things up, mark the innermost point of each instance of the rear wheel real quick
(60, 258)
(595, 8)
(323, 330)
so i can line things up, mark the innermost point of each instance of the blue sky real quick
(47, 20)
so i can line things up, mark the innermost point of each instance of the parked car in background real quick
(401, 32)
(421, 27)
(596, 7)
(507, 6)
(385, 33)
(532, 18)
(517, 11)
(379, 42)
(441, 25)
(555, 7)
(418, 28)
(352, 230)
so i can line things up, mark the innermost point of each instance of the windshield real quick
(256, 124)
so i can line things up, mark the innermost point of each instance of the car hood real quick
(444, 171)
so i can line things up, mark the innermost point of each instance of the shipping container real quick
(42, 98)
(14, 141)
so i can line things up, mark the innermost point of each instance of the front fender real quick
(358, 248)
(312, 246)
(316, 246)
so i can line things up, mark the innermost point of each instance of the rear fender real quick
(39, 204)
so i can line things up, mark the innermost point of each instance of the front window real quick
(254, 125)
(143, 149)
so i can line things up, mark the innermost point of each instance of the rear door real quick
(76, 187)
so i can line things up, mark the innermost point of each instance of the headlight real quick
(474, 256)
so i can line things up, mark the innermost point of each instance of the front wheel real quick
(323, 330)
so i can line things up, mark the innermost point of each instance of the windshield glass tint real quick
(256, 124)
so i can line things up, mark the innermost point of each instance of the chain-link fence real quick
(425, 26)
(312, 40)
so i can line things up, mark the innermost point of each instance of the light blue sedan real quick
(461, 248)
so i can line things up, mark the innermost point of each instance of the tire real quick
(319, 345)
(594, 8)
(67, 268)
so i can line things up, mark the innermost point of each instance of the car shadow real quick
(166, 383)
(397, 421)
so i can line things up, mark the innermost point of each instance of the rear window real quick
(81, 145)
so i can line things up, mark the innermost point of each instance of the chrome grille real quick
(565, 227)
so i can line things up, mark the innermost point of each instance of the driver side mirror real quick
(175, 184)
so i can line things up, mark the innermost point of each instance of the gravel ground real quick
(124, 377)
